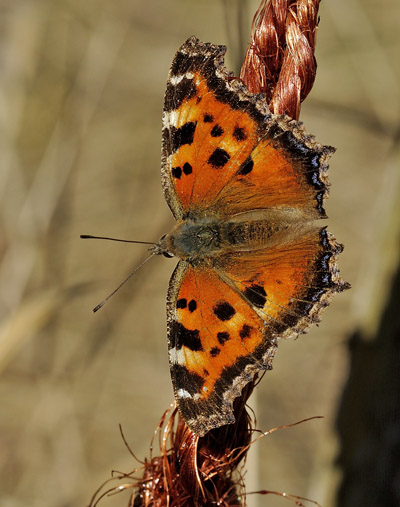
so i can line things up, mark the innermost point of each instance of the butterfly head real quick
(191, 240)
(162, 247)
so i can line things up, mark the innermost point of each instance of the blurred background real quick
(81, 94)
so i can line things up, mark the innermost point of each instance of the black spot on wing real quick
(187, 168)
(217, 131)
(246, 167)
(256, 295)
(176, 172)
(181, 303)
(185, 379)
(223, 337)
(218, 158)
(208, 118)
(192, 306)
(176, 138)
(239, 134)
(176, 94)
(215, 351)
(245, 331)
(224, 311)
(183, 337)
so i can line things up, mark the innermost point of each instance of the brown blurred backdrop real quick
(81, 93)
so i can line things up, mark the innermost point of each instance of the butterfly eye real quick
(163, 247)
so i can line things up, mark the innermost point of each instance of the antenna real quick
(155, 251)
(88, 236)
(96, 308)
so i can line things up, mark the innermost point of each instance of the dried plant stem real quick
(280, 60)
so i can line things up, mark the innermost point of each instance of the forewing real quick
(217, 342)
(210, 124)
(224, 152)
(286, 169)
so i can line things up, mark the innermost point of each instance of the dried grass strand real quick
(189, 471)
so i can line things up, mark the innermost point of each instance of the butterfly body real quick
(246, 188)
(200, 240)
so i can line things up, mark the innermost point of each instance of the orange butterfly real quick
(245, 187)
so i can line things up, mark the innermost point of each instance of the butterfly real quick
(246, 188)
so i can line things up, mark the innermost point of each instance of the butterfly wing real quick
(290, 283)
(225, 156)
(224, 320)
(216, 343)
(223, 150)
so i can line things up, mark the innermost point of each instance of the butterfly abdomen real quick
(248, 235)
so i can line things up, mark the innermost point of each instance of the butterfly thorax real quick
(208, 236)
(194, 239)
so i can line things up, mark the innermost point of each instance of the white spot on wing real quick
(177, 356)
(170, 118)
(174, 80)
(182, 393)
